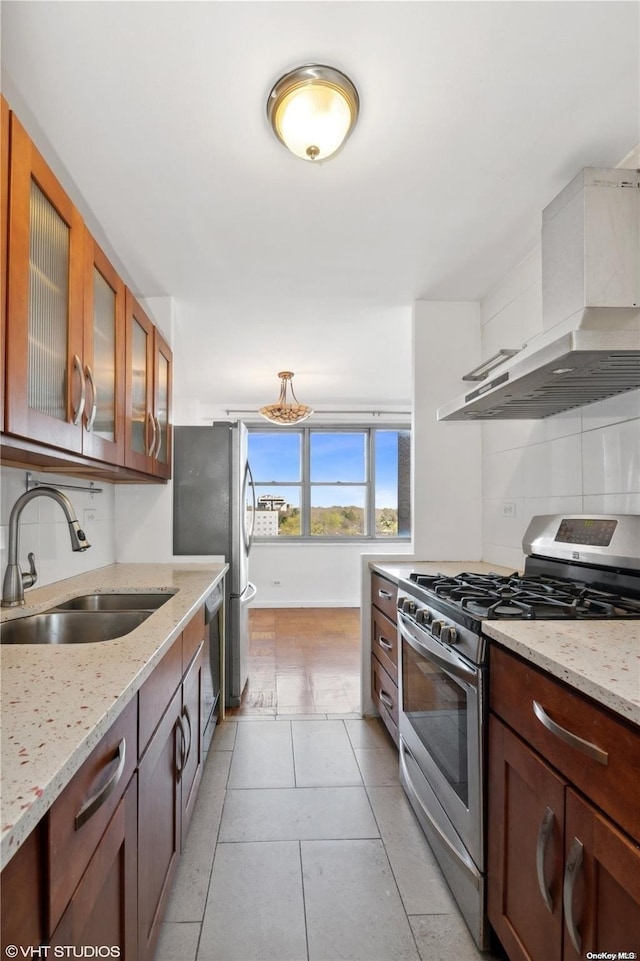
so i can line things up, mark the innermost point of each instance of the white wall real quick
(44, 529)
(581, 461)
(446, 455)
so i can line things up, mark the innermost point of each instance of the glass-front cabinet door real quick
(141, 434)
(104, 308)
(162, 407)
(46, 383)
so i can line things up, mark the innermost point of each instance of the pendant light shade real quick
(285, 411)
(312, 110)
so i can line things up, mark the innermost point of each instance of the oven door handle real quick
(451, 667)
(459, 855)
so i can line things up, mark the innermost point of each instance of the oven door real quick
(441, 722)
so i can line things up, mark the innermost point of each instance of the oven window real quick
(436, 706)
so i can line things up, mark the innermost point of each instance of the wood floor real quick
(302, 661)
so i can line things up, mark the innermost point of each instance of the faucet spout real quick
(14, 580)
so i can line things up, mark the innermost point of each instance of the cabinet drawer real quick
(516, 685)
(192, 638)
(385, 696)
(74, 831)
(157, 691)
(384, 594)
(384, 642)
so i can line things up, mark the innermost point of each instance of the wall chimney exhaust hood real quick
(589, 348)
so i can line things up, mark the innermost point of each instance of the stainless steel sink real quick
(71, 627)
(115, 602)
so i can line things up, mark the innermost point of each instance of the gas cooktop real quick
(526, 596)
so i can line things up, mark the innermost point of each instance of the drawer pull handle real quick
(571, 871)
(383, 642)
(97, 800)
(591, 750)
(385, 594)
(386, 700)
(544, 833)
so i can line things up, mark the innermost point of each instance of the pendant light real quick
(284, 411)
(312, 110)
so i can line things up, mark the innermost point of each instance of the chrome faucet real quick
(14, 580)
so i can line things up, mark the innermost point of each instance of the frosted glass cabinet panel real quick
(148, 394)
(104, 304)
(46, 384)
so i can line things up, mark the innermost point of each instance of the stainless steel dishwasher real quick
(214, 653)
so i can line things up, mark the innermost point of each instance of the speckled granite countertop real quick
(599, 658)
(395, 570)
(58, 701)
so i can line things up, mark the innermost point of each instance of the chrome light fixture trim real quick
(284, 411)
(312, 110)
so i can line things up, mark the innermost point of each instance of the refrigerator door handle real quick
(249, 594)
(248, 534)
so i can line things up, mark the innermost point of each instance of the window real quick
(331, 483)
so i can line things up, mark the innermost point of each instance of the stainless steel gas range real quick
(579, 567)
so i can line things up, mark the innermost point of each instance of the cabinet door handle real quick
(96, 801)
(386, 700)
(544, 833)
(151, 446)
(187, 717)
(573, 740)
(183, 754)
(77, 415)
(94, 394)
(159, 436)
(571, 871)
(385, 594)
(383, 642)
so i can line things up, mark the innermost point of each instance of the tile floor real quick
(303, 847)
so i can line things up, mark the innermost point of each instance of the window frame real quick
(305, 485)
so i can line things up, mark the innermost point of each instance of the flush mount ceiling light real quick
(312, 110)
(284, 411)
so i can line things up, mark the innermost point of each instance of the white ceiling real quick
(473, 116)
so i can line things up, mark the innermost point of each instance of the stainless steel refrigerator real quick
(212, 489)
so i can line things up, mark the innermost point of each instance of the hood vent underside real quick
(599, 378)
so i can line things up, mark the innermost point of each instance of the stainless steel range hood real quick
(590, 346)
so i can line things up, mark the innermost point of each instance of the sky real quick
(276, 457)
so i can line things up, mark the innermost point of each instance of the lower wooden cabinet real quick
(159, 836)
(103, 910)
(563, 879)
(97, 871)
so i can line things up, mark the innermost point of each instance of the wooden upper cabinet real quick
(4, 232)
(45, 378)
(104, 357)
(148, 394)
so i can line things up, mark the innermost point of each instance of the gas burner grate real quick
(538, 596)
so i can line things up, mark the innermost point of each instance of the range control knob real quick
(436, 628)
(408, 606)
(421, 615)
(449, 635)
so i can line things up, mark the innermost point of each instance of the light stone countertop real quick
(599, 658)
(59, 700)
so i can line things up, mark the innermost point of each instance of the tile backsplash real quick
(44, 529)
(582, 461)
